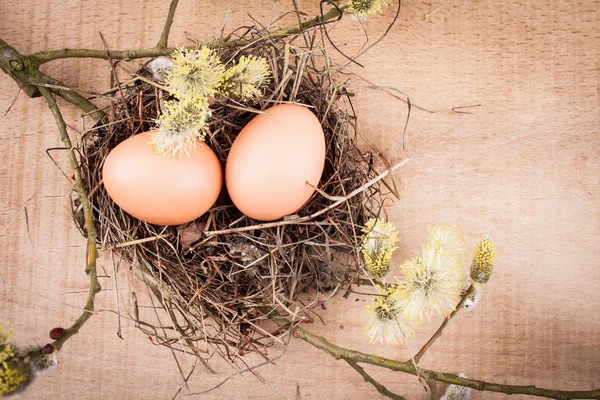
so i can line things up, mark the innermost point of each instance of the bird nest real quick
(218, 276)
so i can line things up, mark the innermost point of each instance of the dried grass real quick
(215, 276)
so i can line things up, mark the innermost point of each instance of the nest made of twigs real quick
(216, 276)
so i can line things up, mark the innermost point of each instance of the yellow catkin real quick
(179, 127)
(432, 282)
(388, 323)
(14, 372)
(244, 79)
(195, 73)
(378, 243)
(483, 261)
(362, 8)
(448, 238)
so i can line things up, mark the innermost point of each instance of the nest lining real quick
(215, 276)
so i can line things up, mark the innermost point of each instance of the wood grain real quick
(524, 167)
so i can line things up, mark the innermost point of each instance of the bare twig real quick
(433, 395)
(440, 330)
(115, 75)
(164, 37)
(92, 252)
(316, 214)
(12, 103)
(368, 378)
(389, 28)
(42, 57)
(350, 59)
(27, 75)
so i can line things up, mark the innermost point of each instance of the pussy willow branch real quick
(409, 367)
(440, 330)
(90, 227)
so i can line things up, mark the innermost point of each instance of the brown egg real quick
(271, 161)
(161, 190)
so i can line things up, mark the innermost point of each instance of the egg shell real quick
(162, 190)
(271, 160)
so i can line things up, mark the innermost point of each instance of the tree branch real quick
(42, 57)
(380, 388)
(90, 228)
(433, 394)
(408, 367)
(164, 37)
(13, 64)
(27, 75)
(440, 330)
(25, 69)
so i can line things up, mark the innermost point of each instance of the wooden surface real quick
(523, 168)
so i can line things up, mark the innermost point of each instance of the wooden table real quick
(523, 167)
